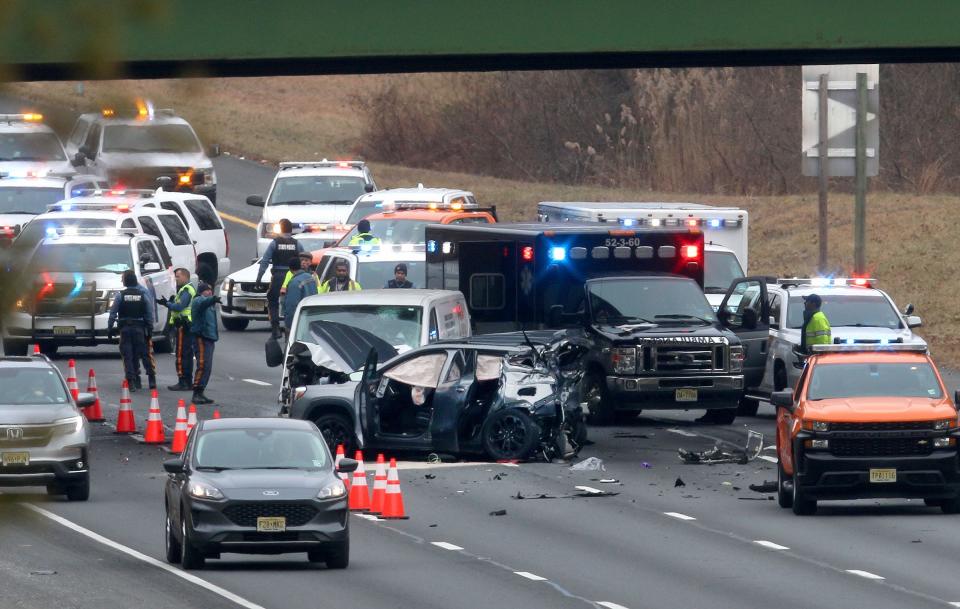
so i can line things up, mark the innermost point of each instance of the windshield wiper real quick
(273, 467)
(684, 316)
(293, 202)
(212, 468)
(335, 202)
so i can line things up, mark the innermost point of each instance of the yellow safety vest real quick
(818, 330)
(176, 316)
(353, 286)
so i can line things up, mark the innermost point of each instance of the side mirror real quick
(86, 400)
(214, 151)
(750, 319)
(255, 200)
(151, 267)
(369, 188)
(273, 353)
(908, 310)
(347, 466)
(723, 315)
(914, 321)
(555, 316)
(173, 466)
(78, 160)
(164, 182)
(773, 322)
(782, 399)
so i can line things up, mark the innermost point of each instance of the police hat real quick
(203, 287)
(814, 298)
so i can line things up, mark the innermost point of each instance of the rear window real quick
(896, 380)
(176, 230)
(362, 209)
(204, 213)
(171, 206)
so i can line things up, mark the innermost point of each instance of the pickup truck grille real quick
(69, 307)
(893, 426)
(880, 447)
(690, 359)
(254, 288)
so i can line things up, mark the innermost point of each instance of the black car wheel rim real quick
(335, 433)
(509, 433)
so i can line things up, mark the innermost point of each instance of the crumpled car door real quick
(452, 394)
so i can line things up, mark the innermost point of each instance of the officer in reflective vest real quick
(816, 327)
(278, 254)
(180, 321)
(363, 237)
(132, 310)
(340, 282)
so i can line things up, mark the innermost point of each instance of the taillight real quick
(691, 251)
(527, 253)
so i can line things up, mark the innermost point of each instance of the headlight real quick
(332, 491)
(624, 360)
(269, 230)
(817, 444)
(201, 490)
(68, 426)
(816, 425)
(943, 442)
(944, 425)
(736, 358)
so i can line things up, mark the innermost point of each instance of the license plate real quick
(881, 476)
(64, 330)
(272, 524)
(686, 395)
(256, 306)
(15, 459)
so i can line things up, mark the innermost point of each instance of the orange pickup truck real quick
(865, 422)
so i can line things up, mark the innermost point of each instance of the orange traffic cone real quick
(154, 433)
(72, 380)
(336, 463)
(191, 418)
(379, 486)
(393, 501)
(359, 494)
(125, 421)
(180, 430)
(36, 349)
(95, 412)
(216, 413)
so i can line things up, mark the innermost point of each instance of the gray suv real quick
(44, 438)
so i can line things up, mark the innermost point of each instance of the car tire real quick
(720, 416)
(79, 491)
(339, 556)
(206, 273)
(594, 392)
(190, 557)
(54, 489)
(784, 492)
(932, 502)
(235, 324)
(165, 343)
(509, 435)
(171, 544)
(779, 377)
(950, 506)
(748, 407)
(801, 505)
(337, 429)
(17, 348)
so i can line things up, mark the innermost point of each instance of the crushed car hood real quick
(342, 348)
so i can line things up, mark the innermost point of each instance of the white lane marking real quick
(769, 458)
(193, 579)
(610, 605)
(865, 574)
(682, 432)
(530, 576)
(445, 545)
(956, 604)
(589, 489)
(770, 544)
(256, 382)
(368, 517)
(679, 516)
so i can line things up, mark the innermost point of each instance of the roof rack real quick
(323, 163)
(869, 348)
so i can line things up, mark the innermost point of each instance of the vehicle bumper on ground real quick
(825, 476)
(67, 466)
(661, 393)
(230, 526)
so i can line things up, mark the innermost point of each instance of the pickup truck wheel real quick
(779, 377)
(801, 505)
(950, 506)
(932, 502)
(719, 416)
(337, 429)
(15, 347)
(594, 393)
(784, 491)
(235, 324)
(510, 434)
(165, 343)
(79, 491)
(747, 407)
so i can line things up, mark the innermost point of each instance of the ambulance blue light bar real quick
(558, 254)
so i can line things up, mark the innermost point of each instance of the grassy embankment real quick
(912, 248)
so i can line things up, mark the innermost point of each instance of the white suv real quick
(392, 198)
(312, 194)
(28, 145)
(69, 282)
(23, 196)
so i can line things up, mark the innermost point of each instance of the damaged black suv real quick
(510, 396)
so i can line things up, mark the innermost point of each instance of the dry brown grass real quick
(911, 249)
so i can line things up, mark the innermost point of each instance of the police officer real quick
(180, 321)
(205, 333)
(278, 254)
(816, 327)
(302, 284)
(306, 263)
(399, 277)
(132, 310)
(340, 282)
(363, 236)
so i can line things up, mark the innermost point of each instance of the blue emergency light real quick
(558, 254)
(628, 221)
(715, 223)
(432, 246)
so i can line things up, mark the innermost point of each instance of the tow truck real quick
(636, 294)
(725, 231)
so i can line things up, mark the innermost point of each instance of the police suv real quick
(65, 288)
(635, 293)
(133, 149)
(767, 314)
(27, 145)
(452, 199)
(316, 196)
(24, 195)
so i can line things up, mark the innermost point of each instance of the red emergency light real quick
(527, 253)
(691, 251)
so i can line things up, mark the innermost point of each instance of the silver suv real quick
(44, 438)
